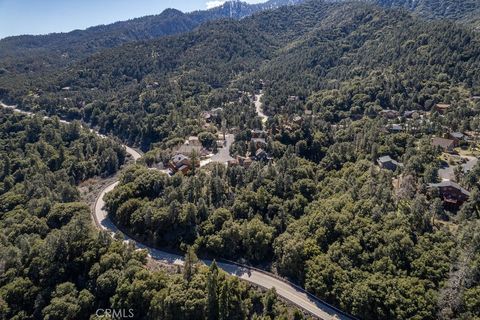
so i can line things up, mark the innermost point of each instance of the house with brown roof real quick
(452, 194)
(442, 108)
(180, 162)
(389, 113)
(446, 145)
(259, 142)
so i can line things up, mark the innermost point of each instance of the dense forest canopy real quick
(464, 11)
(56, 266)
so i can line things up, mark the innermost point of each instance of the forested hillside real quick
(36, 54)
(327, 49)
(56, 266)
(343, 86)
(463, 11)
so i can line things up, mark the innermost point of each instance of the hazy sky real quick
(46, 16)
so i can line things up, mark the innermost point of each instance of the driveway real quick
(448, 172)
(223, 154)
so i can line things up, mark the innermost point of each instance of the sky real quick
(45, 16)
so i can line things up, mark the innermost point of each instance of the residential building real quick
(259, 142)
(394, 128)
(447, 145)
(388, 163)
(261, 155)
(180, 162)
(442, 108)
(194, 141)
(452, 194)
(389, 114)
(457, 137)
(256, 133)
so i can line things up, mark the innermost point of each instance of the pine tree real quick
(191, 260)
(212, 286)
(223, 308)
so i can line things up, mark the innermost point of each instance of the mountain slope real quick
(356, 246)
(305, 50)
(463, 11)
(36, 53)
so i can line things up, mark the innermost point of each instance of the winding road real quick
(259, 108)
(284, 289)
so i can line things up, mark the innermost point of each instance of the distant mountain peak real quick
(237, 9)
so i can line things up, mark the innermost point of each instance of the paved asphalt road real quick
(284, 289)
(287, 291)
(448, 173)
(223, 154)
(259, 108)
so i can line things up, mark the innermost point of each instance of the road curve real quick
(290, 292)
(259, 108)
(284, 289)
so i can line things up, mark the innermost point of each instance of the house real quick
(256, 133)
(395, 128)
(188, 149)
(207, 116)
(245, 162)
(446, 144)
(411, 114)
(388, 163)
(389, 114)
(442, 108)
(180, 162)
(259, 142)
(261, 155)
(293, 98)
(457, 137)
(308, 112)
(297, 119)
(452, 194)
(194, 141)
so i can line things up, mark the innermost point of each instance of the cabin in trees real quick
(261, 155)
(388, 163)
(259, 142)
(452, 194)
(193, 141)
(245, 162)
(457, 137)
(410, 114)
(442, 108)
(297, 120)
(446, 145)
(256, 133)
(389, 114)
(180, 162)
(394, 128)
(213, 115)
